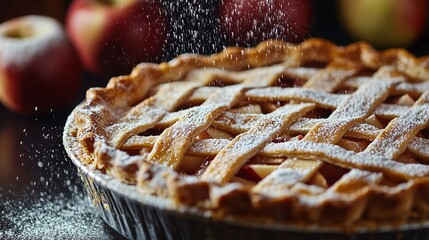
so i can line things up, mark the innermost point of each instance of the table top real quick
(41, 196)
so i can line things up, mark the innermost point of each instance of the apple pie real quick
(307, 134)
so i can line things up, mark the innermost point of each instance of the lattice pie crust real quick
(306, 134)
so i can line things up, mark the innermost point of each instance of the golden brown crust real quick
(359, 197)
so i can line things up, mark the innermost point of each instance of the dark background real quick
(40, 193)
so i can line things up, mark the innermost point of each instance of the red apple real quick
(39, 69)
(385, 23)
(252, 21)
(112, 36)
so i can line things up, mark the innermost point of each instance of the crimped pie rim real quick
(130, 191)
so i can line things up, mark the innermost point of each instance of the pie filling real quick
(306, 134)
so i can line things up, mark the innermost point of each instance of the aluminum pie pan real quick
(139, 216)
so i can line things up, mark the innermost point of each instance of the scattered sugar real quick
(58, 218)
(46, 201)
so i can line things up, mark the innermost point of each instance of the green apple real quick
(385, 23)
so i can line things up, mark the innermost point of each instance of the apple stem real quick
(19, 32)
(114, 3)
(107, 2)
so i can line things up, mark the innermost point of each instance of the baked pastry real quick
(308, 134)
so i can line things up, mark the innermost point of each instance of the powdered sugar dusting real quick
(327, 100)
(285, 177)
(226, 96)
(348, 159)
(134, 124)
(393, 140)
(303, 125)
(352, 111)
(391, 110)
(413, 87)
(361, 175)
(364, 131)
(401, 88)
(356, 82)
(302, 72)
(173, 142)
(419, 147)
(246, 145)
(236, 121)
(207, 147)
(365, 99)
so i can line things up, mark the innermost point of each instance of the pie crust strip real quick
(352, 111)
(348, 159)
(393, 140)
(238, 123)
(321, 99)
(171, 145)
(287, 174)
(229, 160)
(331, 77)
(146, 114)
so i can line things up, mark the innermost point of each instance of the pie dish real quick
(312, 134)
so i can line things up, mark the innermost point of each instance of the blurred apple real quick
(39, 69)
(385, 23)
(112, 36)
(252, 21)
